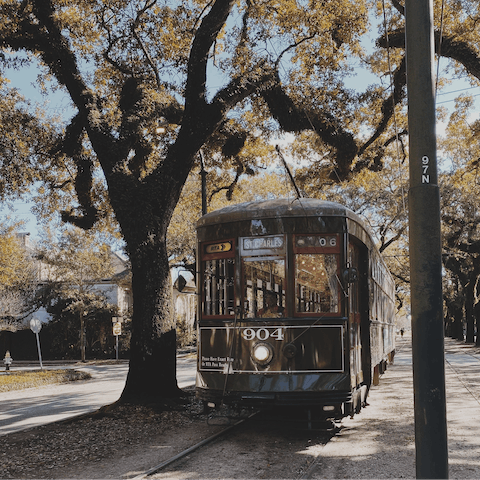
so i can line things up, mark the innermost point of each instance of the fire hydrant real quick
(7, 360)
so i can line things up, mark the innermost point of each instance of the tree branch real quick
(388, 106)
(57, 55)
(236, 91)
(290, 47)
(195, 90)
(60, 59)
(400, 8)
(141, 43)
(230, 188)
(111, 42)
(293, 118)
(83, 189)
(452, 48)
(386, 244)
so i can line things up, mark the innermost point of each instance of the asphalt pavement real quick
(21, 409)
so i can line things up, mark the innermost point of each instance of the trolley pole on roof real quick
(425, 247)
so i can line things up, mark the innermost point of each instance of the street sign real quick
(117, 328)
(35, 325)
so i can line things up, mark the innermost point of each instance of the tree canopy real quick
(225, 77)
(18, 275)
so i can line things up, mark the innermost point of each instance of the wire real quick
(448, 101)
(457, 91)
(287, 169)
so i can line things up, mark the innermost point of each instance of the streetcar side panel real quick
(381, 305)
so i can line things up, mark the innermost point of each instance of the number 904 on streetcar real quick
(296, 307)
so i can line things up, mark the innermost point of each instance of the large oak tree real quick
(219, 75)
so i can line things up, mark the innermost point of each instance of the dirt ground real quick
(123, 442)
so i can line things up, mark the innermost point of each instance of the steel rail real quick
(189, 450)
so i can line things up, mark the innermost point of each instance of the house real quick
(116, 289)
(14, 327)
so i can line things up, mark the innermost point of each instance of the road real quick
(31, 407)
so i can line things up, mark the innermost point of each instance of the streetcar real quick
(296, 307)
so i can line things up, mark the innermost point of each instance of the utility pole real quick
(425, 247)
(203, 174)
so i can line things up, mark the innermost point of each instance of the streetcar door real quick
(354, 317)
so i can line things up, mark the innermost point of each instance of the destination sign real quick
(218, 247)
(262, 243)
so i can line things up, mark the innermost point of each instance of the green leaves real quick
(16, 266)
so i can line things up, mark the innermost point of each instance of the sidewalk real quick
(380, 442)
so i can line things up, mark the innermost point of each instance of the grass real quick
(27, 379)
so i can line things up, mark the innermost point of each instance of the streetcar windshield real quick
(264, 287)
(316, 283)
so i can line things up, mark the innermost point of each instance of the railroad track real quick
(186, 452)
(262, 442)
(325, 436)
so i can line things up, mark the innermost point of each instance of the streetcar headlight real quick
(262, 353)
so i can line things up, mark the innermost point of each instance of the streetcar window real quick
(316, 283)
(264, 287)
(218, 287)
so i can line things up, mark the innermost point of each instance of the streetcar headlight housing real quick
(262, 353)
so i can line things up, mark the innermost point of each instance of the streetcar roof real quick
(278, 208)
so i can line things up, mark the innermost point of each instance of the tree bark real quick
(152, 372)
(454, 318)
(469, 302)
(476, 311)
(143, 210)
(476, 314)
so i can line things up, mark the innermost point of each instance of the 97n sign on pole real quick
(425, 247)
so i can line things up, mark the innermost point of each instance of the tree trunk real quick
(469, 317)
(454, 316)
(457, 324)
(449, 319)
(152, 373)
(143, 211)
(83, 357)
(476, 313)
(457, 331)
